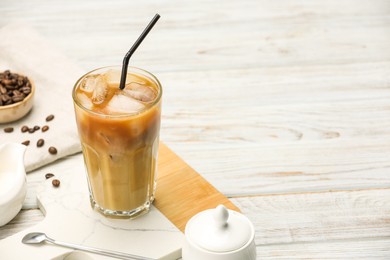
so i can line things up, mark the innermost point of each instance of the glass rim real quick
(130, 68)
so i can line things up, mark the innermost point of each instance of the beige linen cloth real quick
(23, 51)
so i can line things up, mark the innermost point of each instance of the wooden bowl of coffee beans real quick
(16, 96)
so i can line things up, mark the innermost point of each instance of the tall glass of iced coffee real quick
(119, 134)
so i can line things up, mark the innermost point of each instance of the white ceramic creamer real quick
(13, 187)
(219, 234)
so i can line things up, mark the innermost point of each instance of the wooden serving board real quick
(182, 192)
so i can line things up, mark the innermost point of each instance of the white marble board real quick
(69, 218)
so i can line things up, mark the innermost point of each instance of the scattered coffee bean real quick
(26, 143)
(49, 175)
(8, 129)
(45, 128)
(56, 183)
(31, 130)
(49, 118)
(52, 150)
(37, 127)
(40, 143)
(24, 129)
(13, 88)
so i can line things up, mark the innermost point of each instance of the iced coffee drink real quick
(119, 134)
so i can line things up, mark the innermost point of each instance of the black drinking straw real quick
(133, 48)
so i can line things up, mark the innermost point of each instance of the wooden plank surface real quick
(295, 129)
(283, 106)
(26, 218)
(321, 225)
(334, 249)
(319, 216)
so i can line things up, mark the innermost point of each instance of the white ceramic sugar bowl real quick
(219, 234)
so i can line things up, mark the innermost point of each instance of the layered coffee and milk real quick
(119, 133)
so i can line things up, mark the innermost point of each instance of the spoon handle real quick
(97, 250)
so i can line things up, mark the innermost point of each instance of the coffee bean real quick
(8, 129)
(17, 99)
(45, 128)
(56, 183)
(20, 82)
(5, 98)
(25, 90)
(31, 130)
(24, 129)
(7, 82)
(49, 175)
(26, 143)
(49, 118)
(10, 87)
(40, 143)
(37, 127)
(16, 92)
(52, 150)
(3, 90)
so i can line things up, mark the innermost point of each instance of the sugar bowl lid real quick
(219, 230)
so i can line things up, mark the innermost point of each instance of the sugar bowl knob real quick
(221, 216)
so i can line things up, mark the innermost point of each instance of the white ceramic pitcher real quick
(13, 186)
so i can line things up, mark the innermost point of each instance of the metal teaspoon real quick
(38, 237)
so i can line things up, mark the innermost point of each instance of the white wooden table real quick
(284, 106)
